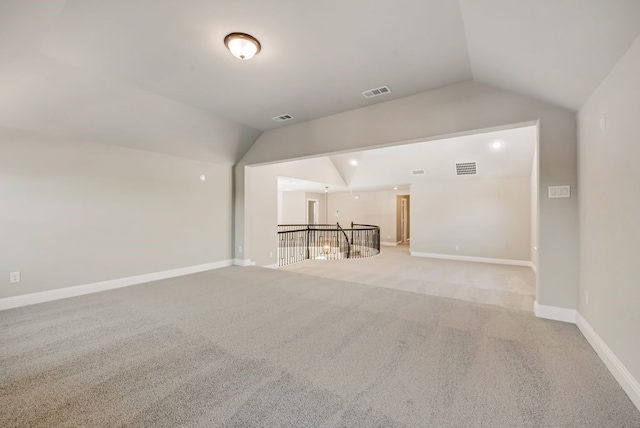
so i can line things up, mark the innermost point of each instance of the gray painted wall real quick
(375, 207)
(322, 206)
(456, 109)
(78, 213)
(610, 210)
(294, 209)
(484, 217)
(261, 200)
(535, 195)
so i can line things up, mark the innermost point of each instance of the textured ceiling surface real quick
(147, 74)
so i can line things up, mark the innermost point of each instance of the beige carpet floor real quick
(507, 286)
(254, 347)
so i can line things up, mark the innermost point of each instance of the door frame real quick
(316, 215)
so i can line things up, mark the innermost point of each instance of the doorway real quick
(403, 219)
(312, 211)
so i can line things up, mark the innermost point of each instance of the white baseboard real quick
(615, 366)
(473, 259)
(388, 244)
(554, 313)
(243, 262)
(272, 266)
(79, 290)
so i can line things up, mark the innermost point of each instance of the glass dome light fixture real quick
(241, 45)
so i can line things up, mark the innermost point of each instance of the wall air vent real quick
(376, 92)
(466, 168)
(417, 172)
(282, 118)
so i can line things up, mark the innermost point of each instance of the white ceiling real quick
(156, 75)
(294, 184)
(385, 168)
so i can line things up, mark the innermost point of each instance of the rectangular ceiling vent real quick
(376, 92)
(282, 118)
(417, 172)
(466, 168)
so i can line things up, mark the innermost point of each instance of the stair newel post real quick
(351, 233)
(308, 231)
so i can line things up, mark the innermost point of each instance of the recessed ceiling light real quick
(395, 188)
(497, 145)
(242, 45)
(353, 162)
(357, 196)
(203, 177)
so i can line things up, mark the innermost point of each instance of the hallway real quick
(502, 285)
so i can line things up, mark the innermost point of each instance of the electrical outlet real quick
(270, 253)
(14, 277)
(457, 247)
(240, 249)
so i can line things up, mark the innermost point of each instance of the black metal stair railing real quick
(298, 242)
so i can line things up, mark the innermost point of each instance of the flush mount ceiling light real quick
(353, 162)
(241, 45)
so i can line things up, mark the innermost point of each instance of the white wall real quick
(609, 189)
(294, 209)
(484, 217)
(280, 207)
(454, 110)
(78, 213)
(376, 207)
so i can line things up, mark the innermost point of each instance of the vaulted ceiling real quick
(156, 75)
(389, 167)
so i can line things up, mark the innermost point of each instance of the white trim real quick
(79, 290)
(388, 244)
(554, 313)
(243, 262)
(272, 266)
(533, 267)
(615, 366)
(473, 259)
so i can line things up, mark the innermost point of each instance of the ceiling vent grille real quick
(466, 168)
(282, 118)
(376, 92)
(417, 172)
